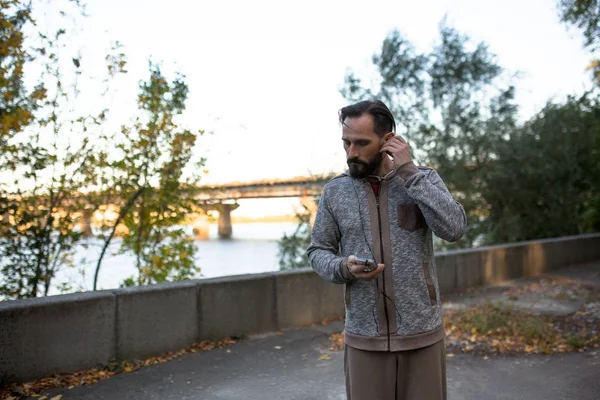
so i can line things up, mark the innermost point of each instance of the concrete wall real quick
(462, 269)
(150, 319)
(39, 337)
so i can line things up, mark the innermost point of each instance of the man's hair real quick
(383, 120)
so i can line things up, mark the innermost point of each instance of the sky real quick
(264, 76)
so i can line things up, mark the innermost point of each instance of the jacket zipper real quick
(385, 307)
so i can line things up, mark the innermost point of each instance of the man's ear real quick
(388, 136)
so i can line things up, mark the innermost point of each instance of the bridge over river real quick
(223, 198)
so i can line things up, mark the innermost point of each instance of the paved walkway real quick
(297, 365)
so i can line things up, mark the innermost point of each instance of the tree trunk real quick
(107, 241)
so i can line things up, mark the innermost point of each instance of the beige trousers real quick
(418, 374)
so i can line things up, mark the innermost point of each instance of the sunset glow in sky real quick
(264, 76)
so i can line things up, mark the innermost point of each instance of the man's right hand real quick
(357, 270)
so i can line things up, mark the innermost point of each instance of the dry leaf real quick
(58, 397)
(95, 374)
(449, 355)
(277, 347)
(325, 357)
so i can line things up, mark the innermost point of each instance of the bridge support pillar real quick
(201, 227)
(86, 222)
(224, 209)
(225, 229)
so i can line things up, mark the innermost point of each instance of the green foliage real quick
(147, 181)
(42, 175)
(545, 181)
(576, 341)
(496, 317)
(451, 104)
(536, 328)
(292, 249)
(585, 15)
(56, 164)
(16, 104)
(166, 255)
(456, 108)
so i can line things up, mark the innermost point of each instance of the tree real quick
(17, 105)
(546, 179)
(58, 164)
(47, 157)
(145, 178)
(585, 15)
(451, 105)
(292, 248)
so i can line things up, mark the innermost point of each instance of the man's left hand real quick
(398, 149)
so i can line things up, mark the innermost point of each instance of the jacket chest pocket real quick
(410, 217)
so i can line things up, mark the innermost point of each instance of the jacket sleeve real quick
(445, 216)
(325, 241)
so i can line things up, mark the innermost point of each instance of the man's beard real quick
(360, 169)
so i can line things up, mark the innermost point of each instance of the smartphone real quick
(369, 264)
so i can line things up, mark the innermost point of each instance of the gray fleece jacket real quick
(401, 309)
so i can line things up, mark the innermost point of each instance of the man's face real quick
(362, 146)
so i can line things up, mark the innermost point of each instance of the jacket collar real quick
(388, 176)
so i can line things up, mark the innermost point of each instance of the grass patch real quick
(575, 341)
(493, 319)
(534, 328)
(501, 329)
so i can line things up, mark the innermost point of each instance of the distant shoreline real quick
(274, 218)
(251, 220)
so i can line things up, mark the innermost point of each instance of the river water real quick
(252, 249)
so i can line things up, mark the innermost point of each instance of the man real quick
(384, 208)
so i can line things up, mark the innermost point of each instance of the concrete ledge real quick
(446, 267)
(502, 264)
(494, 264)
(303, 298)
(39, 337)
(48, 335)
(155, 319)
(469, 269)
(237, 305)
(591, 249)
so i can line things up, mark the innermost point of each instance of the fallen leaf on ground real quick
(325, 357)
(336, 341)
(91, 376)
(498, 328)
